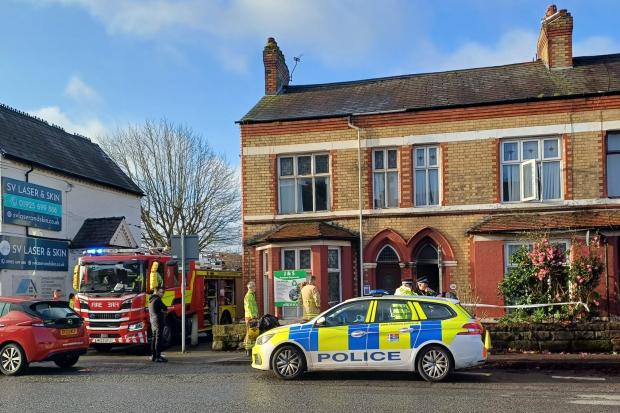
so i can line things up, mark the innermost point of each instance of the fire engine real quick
(113, 287)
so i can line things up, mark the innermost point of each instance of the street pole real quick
(182, 292)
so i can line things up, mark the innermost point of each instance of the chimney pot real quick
(551, 10)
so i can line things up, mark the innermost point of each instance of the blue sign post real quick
(31, 205)
(19, 253)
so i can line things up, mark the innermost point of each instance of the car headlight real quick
(263, 339)
(136, 326)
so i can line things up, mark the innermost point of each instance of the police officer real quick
(406, 288)
(311, 299)
(157, 312)
(424, 289)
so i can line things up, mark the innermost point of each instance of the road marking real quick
(597, 400)
(579, 378)
(471, 373)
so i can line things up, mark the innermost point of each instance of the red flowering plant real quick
(584, 275)
(540, 274)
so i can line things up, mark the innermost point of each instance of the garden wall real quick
(555, 337)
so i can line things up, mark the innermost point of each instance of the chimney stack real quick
(276, 71)
(555, 42)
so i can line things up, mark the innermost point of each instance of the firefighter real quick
(424, 289)
(251, 317)
(311, 299)
(157, 311)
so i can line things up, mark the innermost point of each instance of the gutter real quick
(360, 204)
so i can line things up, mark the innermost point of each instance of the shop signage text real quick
(31, 205)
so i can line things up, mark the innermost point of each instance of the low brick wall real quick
(228, 337)
(589, 337)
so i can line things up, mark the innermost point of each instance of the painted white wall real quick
(81, 199)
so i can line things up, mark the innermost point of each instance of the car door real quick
(3, 310)
(391, 335)
(338, 340)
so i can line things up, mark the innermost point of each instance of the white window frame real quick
(297, 260)
(385, 171)
(313, 175)
(609, 153)
(507, 244)
(426, 167)
(539, 161)
(333, 270)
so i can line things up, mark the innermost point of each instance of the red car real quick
(33, 330)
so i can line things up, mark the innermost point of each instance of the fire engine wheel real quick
(434, 363)
(67, 361)
(167, 334)
(12, 360)
(288, 362)
(226, 318)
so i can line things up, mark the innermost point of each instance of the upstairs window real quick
(385, 178)
(531, 170)
(426, 179)
(613, 164)
(303, 183)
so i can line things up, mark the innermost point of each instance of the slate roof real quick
(543, 221)
(304, 231)
(531, 81)
(31, 140)
(97, 232)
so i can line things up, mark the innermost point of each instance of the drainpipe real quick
(360, 203)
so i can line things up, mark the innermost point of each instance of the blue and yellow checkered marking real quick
(378, 336)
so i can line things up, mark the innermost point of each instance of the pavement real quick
(203, 380)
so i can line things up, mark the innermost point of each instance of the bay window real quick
(303, 183)
(613, 164)
(531, 170)
(385, 178)
(296, 259)
(426, 176)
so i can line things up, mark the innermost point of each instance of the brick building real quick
(441, 174)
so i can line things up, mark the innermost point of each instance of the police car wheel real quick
(434, 364)
(288, 362)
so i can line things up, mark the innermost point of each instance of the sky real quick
(92, 66)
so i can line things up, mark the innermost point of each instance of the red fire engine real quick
(113, 287)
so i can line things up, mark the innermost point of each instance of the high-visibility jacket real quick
(249, 305)
(401, 311)
(311, 301)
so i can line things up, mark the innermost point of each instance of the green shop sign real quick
(31, 205)
(287, 287)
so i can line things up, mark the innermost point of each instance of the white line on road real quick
(597, 400)
(579, 378)
(472, 373)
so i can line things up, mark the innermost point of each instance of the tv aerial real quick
(296, 59)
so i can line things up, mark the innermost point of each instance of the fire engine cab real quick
(113, 287)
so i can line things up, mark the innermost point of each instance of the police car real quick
(429, 335)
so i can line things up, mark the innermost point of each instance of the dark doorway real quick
(388, 270)
(427, 265)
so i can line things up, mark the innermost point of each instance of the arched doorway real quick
(427, 265)
(388, 270)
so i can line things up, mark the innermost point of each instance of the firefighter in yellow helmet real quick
(311, 299)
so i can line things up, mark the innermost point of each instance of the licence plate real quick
(102, 340)
(68, 331)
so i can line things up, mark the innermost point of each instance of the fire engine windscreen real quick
(113, 277)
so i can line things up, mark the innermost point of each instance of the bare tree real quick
(188, 187)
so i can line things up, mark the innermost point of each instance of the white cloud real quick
(91, 128)
(79, 91)
(333, 31)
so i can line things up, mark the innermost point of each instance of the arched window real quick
(388, 254)
(428, 252)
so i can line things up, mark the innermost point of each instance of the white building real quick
(61, 194)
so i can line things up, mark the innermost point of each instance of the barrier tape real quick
(527, 305)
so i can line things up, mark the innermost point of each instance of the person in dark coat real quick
(157, 312)
(423, 288)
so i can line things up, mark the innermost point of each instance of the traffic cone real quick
(487, 340)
